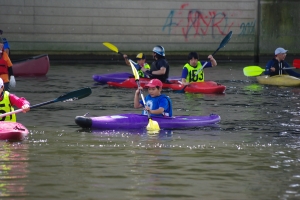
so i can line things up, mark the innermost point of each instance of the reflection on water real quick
(253, 153)
(13, 168)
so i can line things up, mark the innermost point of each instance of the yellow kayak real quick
(279, 80)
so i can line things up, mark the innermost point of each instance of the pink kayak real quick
(33, 66)
(12, 131)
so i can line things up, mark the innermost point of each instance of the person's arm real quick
(212, 60)
(184, 74)
(6, 46)
(290, 71)
(136, 101)
(268, 68)
(161, 71)
(19, 102)
(126, 60)
(158, 111)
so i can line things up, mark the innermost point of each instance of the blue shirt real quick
(155, 103)
(5, 44)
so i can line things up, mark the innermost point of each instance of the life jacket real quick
(278, 67)
(141, 73)
(191, 77)
(5, 107)
(3, 65)
(156, 106)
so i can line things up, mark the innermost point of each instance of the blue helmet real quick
(160, 50)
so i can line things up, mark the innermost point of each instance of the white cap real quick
(1, 82)
(280, 50)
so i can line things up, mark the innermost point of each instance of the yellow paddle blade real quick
(253, 71)
(134, 71)
(153, 126)
(111, 47)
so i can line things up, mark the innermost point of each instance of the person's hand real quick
(210, 57)
(137, 92)
(272, 69)
(185, 83)
(12, 81)
(125, 56)
(148, 109)
(25, 108)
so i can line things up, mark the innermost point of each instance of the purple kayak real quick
(137, 121)
(119, 77)
(115, 77)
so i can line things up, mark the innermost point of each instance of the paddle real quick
(256, 70)
(253, 70)
(71, 96)
(222, 44)
(152, 125)
(115, 49)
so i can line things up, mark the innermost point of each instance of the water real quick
(253, 153)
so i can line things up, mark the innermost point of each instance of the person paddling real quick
(157, 104)
(189, 73)
(277, 65)
(160, 67)
(141, 64)
(8, 100)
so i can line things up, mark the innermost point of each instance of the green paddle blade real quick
(253, 71)
(71, 96)
(111, 47)
(225, 40)
(75, 95)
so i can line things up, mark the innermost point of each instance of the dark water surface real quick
(253, 153)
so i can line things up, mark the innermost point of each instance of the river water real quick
(253, 153)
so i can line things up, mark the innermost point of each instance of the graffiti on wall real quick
(194, 22)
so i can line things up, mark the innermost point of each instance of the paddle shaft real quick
(142, 96)
(222, 44)
(20, 110)
(115, 49)
(71, 96)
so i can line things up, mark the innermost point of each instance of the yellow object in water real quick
(279, 80)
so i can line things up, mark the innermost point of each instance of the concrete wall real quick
(64, 28)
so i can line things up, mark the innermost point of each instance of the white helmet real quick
(160, 50)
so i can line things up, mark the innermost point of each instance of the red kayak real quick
(12, 131)
(33, 66)
(206, 87)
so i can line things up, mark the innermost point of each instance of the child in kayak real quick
(190, 69)
(8, 100)
(141, 63)
(157, 104)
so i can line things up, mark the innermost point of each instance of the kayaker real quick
(8, 100)
(190, 69)
(6, 71)
(6, 45)
(277, 65)
(141, 63)
(157, 104)
(160, 67)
